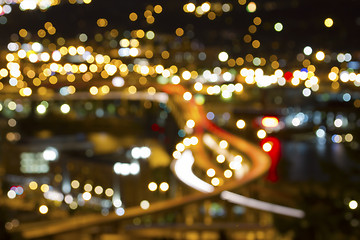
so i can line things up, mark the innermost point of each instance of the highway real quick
(259, 160)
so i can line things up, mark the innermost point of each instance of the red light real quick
(270, 122)
(288, 76)
(274, 153)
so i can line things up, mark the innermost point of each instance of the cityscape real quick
(197, 120)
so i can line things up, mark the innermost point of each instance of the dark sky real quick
(302, 20)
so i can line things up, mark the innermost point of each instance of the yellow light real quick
(180, 147)
(320, 55)
(33, 185)
(132, 89)
(93, 90)
(190, 7)
(223, 144)
(88, 187)
(270, 122)
(158, 9)
(98, 190)
(164, 186)
(228, 173)
(152, 186)
(186, 75)
(190, 123)
(223, 56)
(240, 124)
(144, 204)
(220, 158)
(215, 181)
(261, 134)
(198, 86)
(353, 204)
(151, 90)
(210, 172)
(86, 196)
(44, 188)
(194, 140)
(43, 209)
(267, 147)
(133, 16)
(251, 7)
(328, 22)
(187, 96)
(179, 32)
(109, 192)
(205, 7)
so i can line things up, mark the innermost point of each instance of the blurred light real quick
(145, 152)
(223, 144)
(152, 186)
(65, 108)
(261, 134)
(220, 158)
(353, 204)
(136, 152)
(240, 124)
(228, 173)
(349, 137)
(41, 109)
(73, 205)
(120, 211)
(11, 194)
(338, 123)
(270, 122)
(328, 22)
(194, 140)
(320, 133)
(346, 97)
(306, 92)
(210, 115)
(134, 168)
(190, 7)
(278, 27)
(50, 154)
(144, 204)
(190, 123)
(215, 181)
(256, 204)
(183, 170)
(187, 96)
(33, 185)
(117, 203)
(68, 199)
(235, 165)
(336, 138)
(44, 188)
(98, 190)
(267, 147)
(86, 196)
(75, 184)
(223, 56)
(164, 186)
(43, 209)
(109, 192)
(88, 187)
(251, 7)
(320, 55)
(210, 172)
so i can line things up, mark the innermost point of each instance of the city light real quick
(43, 209)
(353, 204)
(270, 122)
